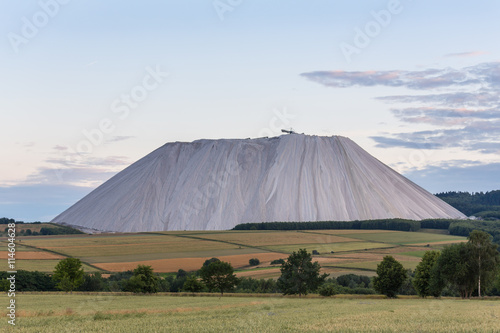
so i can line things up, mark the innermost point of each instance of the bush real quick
(93, 282)
(278, 262)
(193, 285)
(327, 289)
(254, 262)
(354, 281)
(251, 285)
(315, 252)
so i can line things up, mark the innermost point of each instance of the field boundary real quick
(66, 256)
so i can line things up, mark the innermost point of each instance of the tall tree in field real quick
(219, 275)
(484, 258)
(422, 279)
(68, 274)
(454, 267)
(390, 276)
(299, 274)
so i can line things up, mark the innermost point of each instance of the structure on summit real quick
(217, 184)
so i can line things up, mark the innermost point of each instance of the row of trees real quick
(383, 224)
(467, 267)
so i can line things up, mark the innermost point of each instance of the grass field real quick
(40, 265)
(354, 251)
(97, 313)
(403, 238)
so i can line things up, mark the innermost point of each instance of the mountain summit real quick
(217, 184)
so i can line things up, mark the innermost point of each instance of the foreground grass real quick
(97, 313)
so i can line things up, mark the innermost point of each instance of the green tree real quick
(484, 258)
(254, 262)
(209, 261)
(422, 279)
(68, 274)
(143, 281)
(328, 289)
(390, 276)
(193, 285)
(219, 275)
(454, 267)
(299, 275)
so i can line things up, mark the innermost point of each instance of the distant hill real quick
(36, 228)
(485, 205)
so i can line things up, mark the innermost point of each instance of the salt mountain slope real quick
(217, 184)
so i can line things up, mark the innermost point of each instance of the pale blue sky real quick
(242, 73)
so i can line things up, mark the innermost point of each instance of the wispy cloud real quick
(483, 74)
(466, 115)
(117, 138)
(466, 54)
(85, 171)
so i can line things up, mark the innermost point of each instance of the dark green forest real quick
(485, 205)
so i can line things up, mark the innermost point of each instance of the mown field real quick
(340, 251)
(126, 313)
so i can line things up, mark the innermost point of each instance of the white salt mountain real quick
(217, 184)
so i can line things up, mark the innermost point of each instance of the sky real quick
(89, 87)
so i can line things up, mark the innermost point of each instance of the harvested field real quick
(443, 242)
(19, 246)
(125, 245)
(401, 237)
(276, 238)
(41, 265)
(39, 255)
(189, 264)
(171, 251)
(372, 265)
(260, 274)
(323, 248)
(129, 257)
(348, 231)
